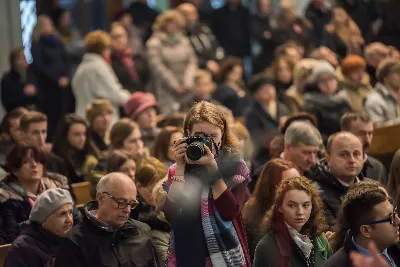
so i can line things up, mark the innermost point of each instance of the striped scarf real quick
(222, 240)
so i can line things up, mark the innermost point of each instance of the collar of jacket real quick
(328, 178)
(35, 230)
(127, 229)
(385, 92)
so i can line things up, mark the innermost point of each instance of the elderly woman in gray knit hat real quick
(50, 220)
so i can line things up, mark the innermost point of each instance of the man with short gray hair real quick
(106, 236)
(302, 143)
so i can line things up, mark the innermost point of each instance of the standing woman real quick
(52, 68)
(205, 196)
(172, 60)
(274, 172)
(294, 228)
(71, 145)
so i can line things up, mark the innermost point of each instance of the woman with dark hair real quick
(20, 189)
(205, 196)
(230, 93)
(282, 72)
(273, 174)
(163, 145)
(70, 143)
(19, 85)
(120, 161)
(294, 228)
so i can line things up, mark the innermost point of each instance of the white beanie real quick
(322, 67)
(48, 202)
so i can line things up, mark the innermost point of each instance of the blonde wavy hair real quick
(166, 17)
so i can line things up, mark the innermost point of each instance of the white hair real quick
(301, 132)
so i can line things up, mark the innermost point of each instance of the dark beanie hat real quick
(386, 67)
(257, 81)
(352, 63)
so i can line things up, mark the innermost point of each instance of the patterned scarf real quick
(126, 57)
(219, 234)
(29, 196)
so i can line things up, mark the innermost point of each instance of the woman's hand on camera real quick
(208, 160)
(180, 148)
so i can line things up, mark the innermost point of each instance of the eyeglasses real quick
(390, 220)
(123, 204)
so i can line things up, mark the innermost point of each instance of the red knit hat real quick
(138, 102)
(352, 63)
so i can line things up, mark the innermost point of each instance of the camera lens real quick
(195, 150)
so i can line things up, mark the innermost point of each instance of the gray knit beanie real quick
(48, 202)
(323, 67)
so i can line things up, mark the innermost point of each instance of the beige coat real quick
(172, 64)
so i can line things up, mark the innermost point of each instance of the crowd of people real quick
(194, 157)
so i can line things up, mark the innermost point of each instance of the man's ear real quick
(327, 158)
(366, 230)
(287, 146)
(99, 197)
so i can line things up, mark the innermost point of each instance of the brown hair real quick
(208, 112)
(14, 54)
(97, 107)
(12, 115)
(115, 159)
(168, 16)
(15, 159)
(316, 224)
(150, 171)
(31, 117)
(120, 131)
(273, 70)
(227, 65)
(161, 143)
(265, 189)
(97, 42)
(38, 29)
(349, 117)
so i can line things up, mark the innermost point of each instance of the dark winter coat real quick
(92, 243)
(230, 99)
(231, 26)
(331, 191)
(35, 247)
(318, 17)
(12, 91)
(327, 109)
(342, 256)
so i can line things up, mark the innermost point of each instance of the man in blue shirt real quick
(371, 218)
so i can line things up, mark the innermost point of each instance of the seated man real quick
(361, 126)
(371, 218)
(302, 143)
(106, 236)
(340, 169)
(50, 220)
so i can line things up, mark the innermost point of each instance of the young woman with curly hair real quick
(294, 228)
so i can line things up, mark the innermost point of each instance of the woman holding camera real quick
(206, 189)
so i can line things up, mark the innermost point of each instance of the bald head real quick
(345, 156)
(116, 183)
(190, 12)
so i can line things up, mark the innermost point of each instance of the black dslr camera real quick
(195, 149)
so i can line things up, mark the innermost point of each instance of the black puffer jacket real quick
(327, 109)
(92, 243)
(331, 191)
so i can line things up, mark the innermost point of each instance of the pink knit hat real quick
(138, 102)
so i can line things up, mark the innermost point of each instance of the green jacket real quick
(270, 246)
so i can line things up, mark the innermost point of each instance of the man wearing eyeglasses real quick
(371, 218)
(106, 236)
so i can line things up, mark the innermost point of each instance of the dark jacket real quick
(35, 247)
(50, 63)
(273, 250)
(263, 33)
(318, 17)
(342, 256)
(15, 208)
(56, 164)
(132, 85)
(143, 18)
(204, 44)
(331, 191)
(375, 170)
(231, 26)
(12, 91)
(92, 243)
(327, 109)
(230, 99)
